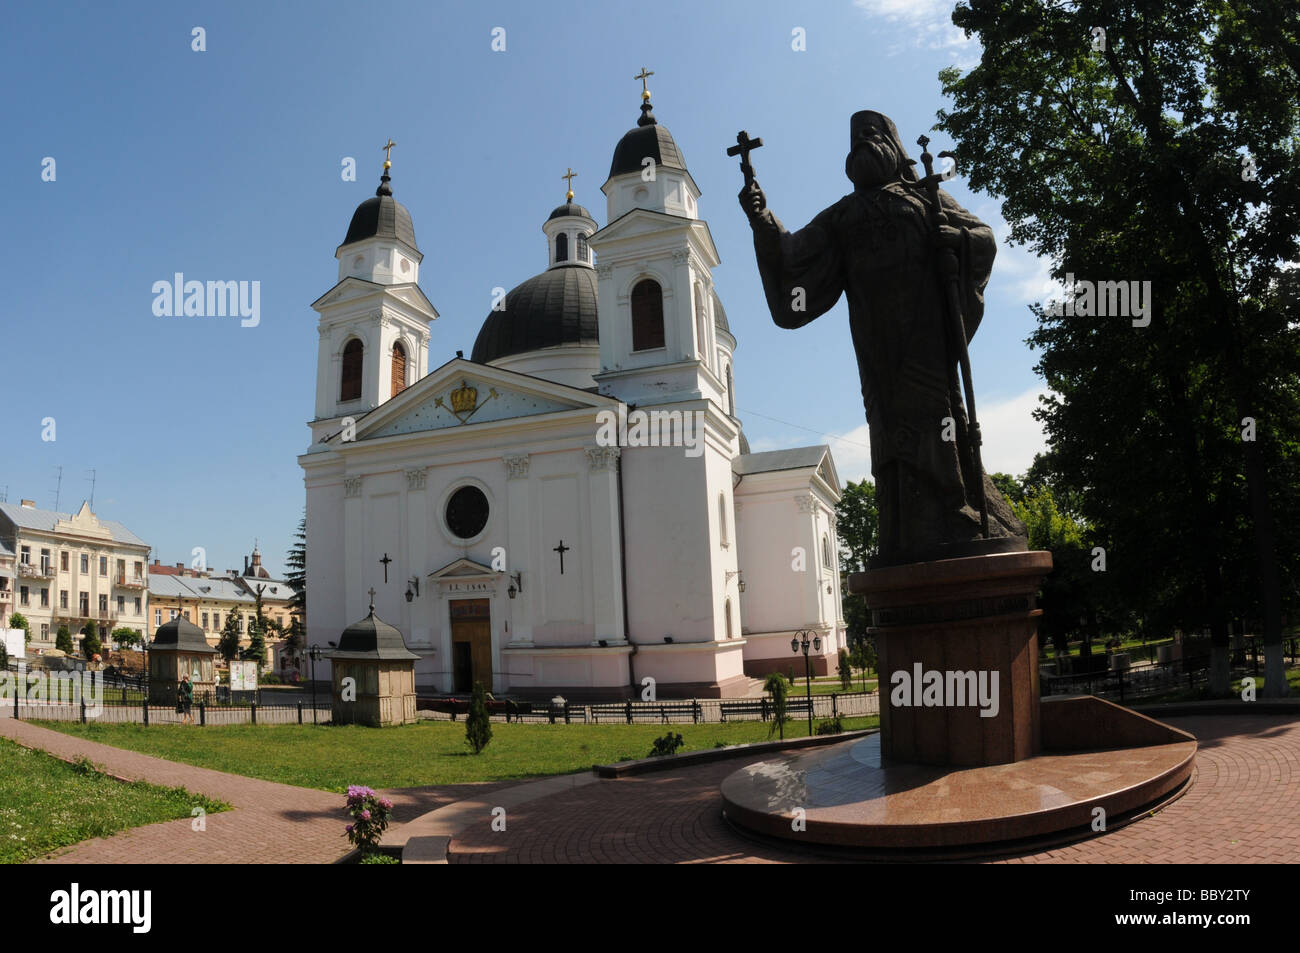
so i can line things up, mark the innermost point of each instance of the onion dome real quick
(381, 217)
(569, 208)
(646, 139)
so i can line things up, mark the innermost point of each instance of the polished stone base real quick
(1096, 754)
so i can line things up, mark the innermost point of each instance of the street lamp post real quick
(802, 640)
(313, 653)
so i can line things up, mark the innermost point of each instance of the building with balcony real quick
(70, 569)
(7, 570)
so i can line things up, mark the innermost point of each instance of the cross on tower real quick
(643, 75)
(388, 148)
(561, 549)
(569, 176)
(372, 598)
(385, 561)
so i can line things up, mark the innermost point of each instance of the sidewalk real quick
(268, 823)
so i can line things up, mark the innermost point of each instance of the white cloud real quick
(929, 22)
(1011, 438)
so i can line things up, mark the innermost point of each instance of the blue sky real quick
(225, 165)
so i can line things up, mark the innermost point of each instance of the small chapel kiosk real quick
(180, 648)
(374, 655)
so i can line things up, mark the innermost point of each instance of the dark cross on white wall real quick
(385, 561)
(561, 549)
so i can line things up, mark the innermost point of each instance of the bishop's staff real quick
(948, 269)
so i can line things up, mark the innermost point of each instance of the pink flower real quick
(385, 803)
(365, 815)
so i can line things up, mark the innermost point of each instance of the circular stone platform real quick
(850, 800)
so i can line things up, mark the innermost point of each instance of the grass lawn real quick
(46, 803)
(1202, 694)
(331, 757)
(831, 687)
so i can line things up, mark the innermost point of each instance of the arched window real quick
(828, 564)
(584, 254)
(647, 315)
(562, 246)
(350, 388)
(722, 519)
(701, 327)
(399, 368)
(727, 610)
(731, 393)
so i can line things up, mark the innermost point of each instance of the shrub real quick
(376, 857)
(478, 727)
(846, 671)
(666, 745)
(831, 726)
(370, 815)
(779, 688)
(270, 679)
(63, 640)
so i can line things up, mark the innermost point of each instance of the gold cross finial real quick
(569, 176)
(645, 93)
(388, 149)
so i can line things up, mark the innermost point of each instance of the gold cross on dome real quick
(643, 75)
(569, 177)
(388, 149)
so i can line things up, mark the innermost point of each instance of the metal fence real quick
(1134, 683)
(675, 711)
(201, 713)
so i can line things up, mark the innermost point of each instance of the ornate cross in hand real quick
(385, 561)
(744, 145)
(561, 549)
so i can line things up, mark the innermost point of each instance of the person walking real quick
(185, 700)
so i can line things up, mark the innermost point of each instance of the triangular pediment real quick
(463, 569)
(352, 290)
(641, 222)
(463, 393)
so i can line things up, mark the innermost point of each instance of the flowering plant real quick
(369, 817)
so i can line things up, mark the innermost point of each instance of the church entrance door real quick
(471, 644)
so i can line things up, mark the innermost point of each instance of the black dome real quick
(372, 638)
(647, 138)
(552, 309)
(381, 217)
(568, 208)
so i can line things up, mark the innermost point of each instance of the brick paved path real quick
(1240, 810)
(269, 823)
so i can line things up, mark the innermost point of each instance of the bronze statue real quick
(913, 264)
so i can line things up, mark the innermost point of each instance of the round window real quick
(467, 512)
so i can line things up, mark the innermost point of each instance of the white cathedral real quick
(508, 542)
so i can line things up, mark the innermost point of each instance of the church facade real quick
(573, 509)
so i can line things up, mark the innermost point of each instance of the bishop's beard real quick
(872, 164)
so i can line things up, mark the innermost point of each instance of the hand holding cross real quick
(744, 145)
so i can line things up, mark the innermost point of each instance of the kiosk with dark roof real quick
(373, 674)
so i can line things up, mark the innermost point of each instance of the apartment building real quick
(72, 568)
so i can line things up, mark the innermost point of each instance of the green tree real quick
(127, 638)
(256, 649)
(857, 526)
(478, 727)
(19, 621)
(845, 670)
(63, 641)
(1179, 436)
(777, 686)
(228, 644)
(296, 561)
(1011, 489)
(90, 643)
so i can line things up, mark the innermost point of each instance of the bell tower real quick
(655, 262)
(374, 323)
